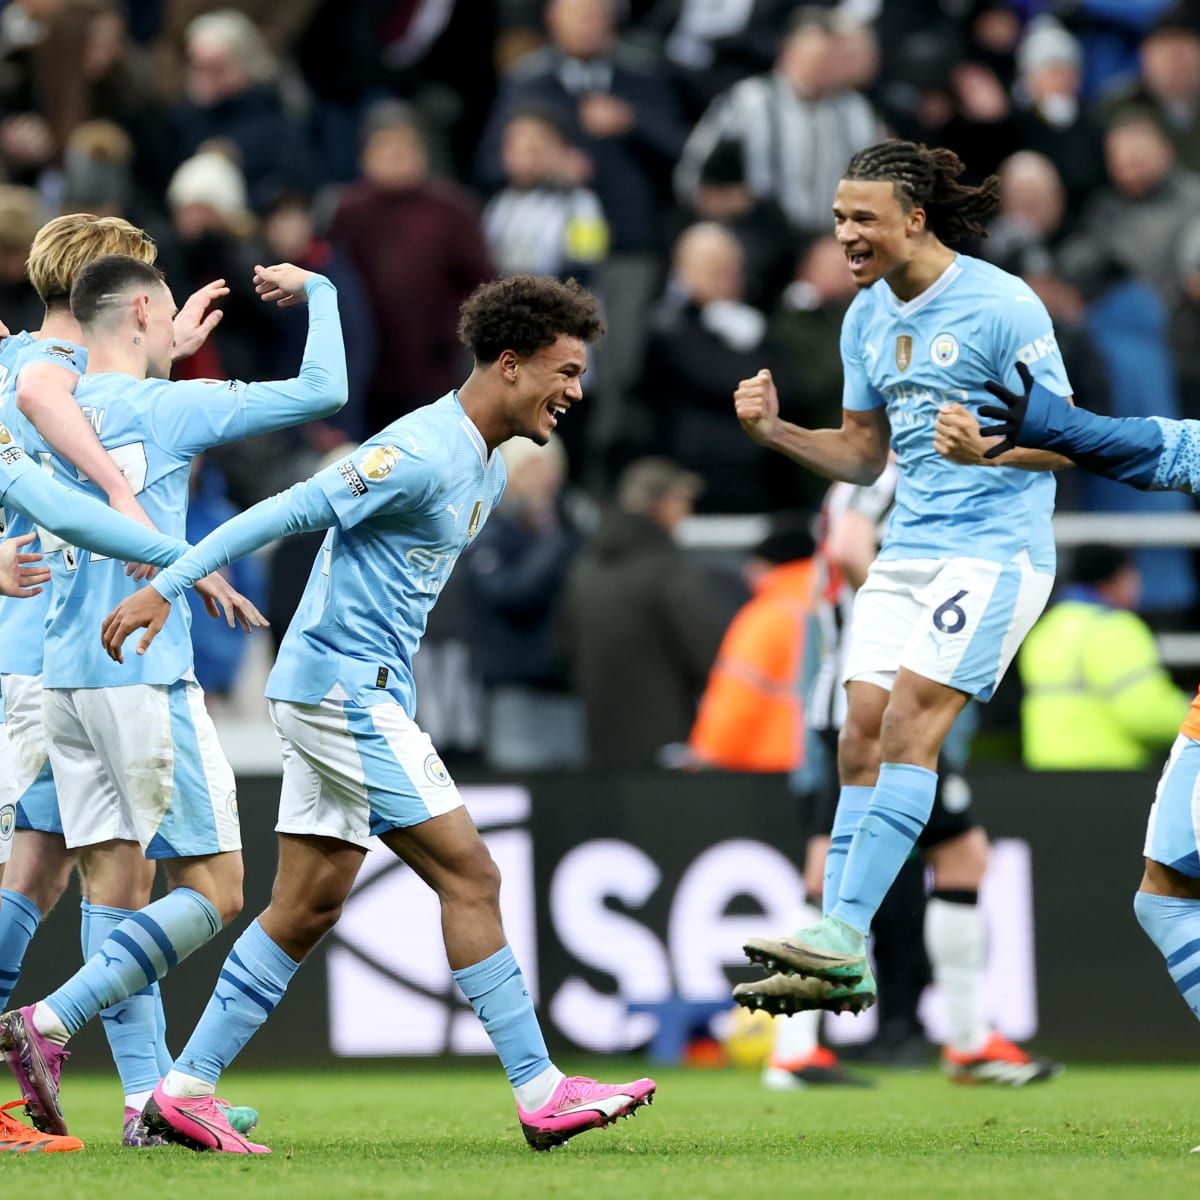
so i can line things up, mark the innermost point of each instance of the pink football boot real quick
(580, 1104)
(197, 1122)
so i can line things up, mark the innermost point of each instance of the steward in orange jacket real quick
(751, 715)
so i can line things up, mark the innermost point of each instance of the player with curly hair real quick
(399, 511)
(966, 566)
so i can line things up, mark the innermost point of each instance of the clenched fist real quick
(757, 405)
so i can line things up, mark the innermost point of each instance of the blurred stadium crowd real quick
(679, 157)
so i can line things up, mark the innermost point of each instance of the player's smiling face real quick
(548, 383)
(875, 232)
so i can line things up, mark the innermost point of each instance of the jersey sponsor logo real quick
(1039, 348)
(5, 436)
(352, 478)
(473, 527)
(944, 350)
(903, 351)
(61, 352)
(378, 462)
(11, 456)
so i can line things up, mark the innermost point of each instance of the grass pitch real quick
(451, 1132)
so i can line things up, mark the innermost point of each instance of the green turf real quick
(1096, 1132)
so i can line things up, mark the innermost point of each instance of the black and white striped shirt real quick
(794, 150)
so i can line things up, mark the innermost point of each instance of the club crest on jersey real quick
(5, 436)
(476, 512)
(378, 462)
(8, 821)
(903, 351)
(944, 350)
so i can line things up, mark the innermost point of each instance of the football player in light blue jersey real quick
(967, 561)
(1153, 454)
(135, 756)
(399, 513)
(38, 372)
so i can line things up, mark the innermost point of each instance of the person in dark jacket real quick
(418, 247)
(640, 630)
(232, 95)
(515, 573)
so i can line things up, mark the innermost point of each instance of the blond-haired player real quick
(38, 371)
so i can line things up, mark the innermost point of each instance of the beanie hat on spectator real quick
(211, 179)
(1046, 42)
(790, 540)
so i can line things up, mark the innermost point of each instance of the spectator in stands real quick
(1033, 207)
(709, 47)
(289, 234)
(1051, 119)
(544, 221)
(768, 241)
(1185, 324)
(232, 94)
(1169, 84)
(20, 219)
(807, 328)
(797, 127)
(1140, 217)
(1097, 697)
(418, 247)
(619, 111)
(704, 339)
(515, 574)
(751, 715)
(638, 625)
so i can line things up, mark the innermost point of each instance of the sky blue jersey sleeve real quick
(857, 392)
(382, 475)
(303, 508)
(1022, 331)
(1151, 453)
(77, 518)
(201, 413)
(48, 352)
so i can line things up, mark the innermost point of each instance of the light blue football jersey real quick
(153, 428)
(972, 325)
(23, 622)
(408, 503)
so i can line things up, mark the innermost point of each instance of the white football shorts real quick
(8, 799)
(1173, 833)
(353, 772)
(957, 621)
(28, 756)
(142, 764)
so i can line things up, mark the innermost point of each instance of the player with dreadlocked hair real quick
(965, 569)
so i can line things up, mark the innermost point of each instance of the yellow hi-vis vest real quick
(1096, 695)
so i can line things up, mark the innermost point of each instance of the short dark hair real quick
(1097, 563)
(924, 177)
(525, 314)
(107, 276)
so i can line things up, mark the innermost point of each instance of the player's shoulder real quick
(50, 351)
(13, 346)
(861, 309)
(991, 288)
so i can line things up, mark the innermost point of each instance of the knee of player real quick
(858, 748)
(475, 877)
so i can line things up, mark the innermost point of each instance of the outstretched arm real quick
(81, 520)
(1151, 453)
(303, 508)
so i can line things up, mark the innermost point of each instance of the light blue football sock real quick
(85, 921)
(497, 992)
(900, 808)
(852, 805)
(1173, 925)
(130, 1025)
(162, 1051)
(252, 981)
(141, 949)
(19, 920)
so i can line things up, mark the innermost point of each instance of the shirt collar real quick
(935, 289)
